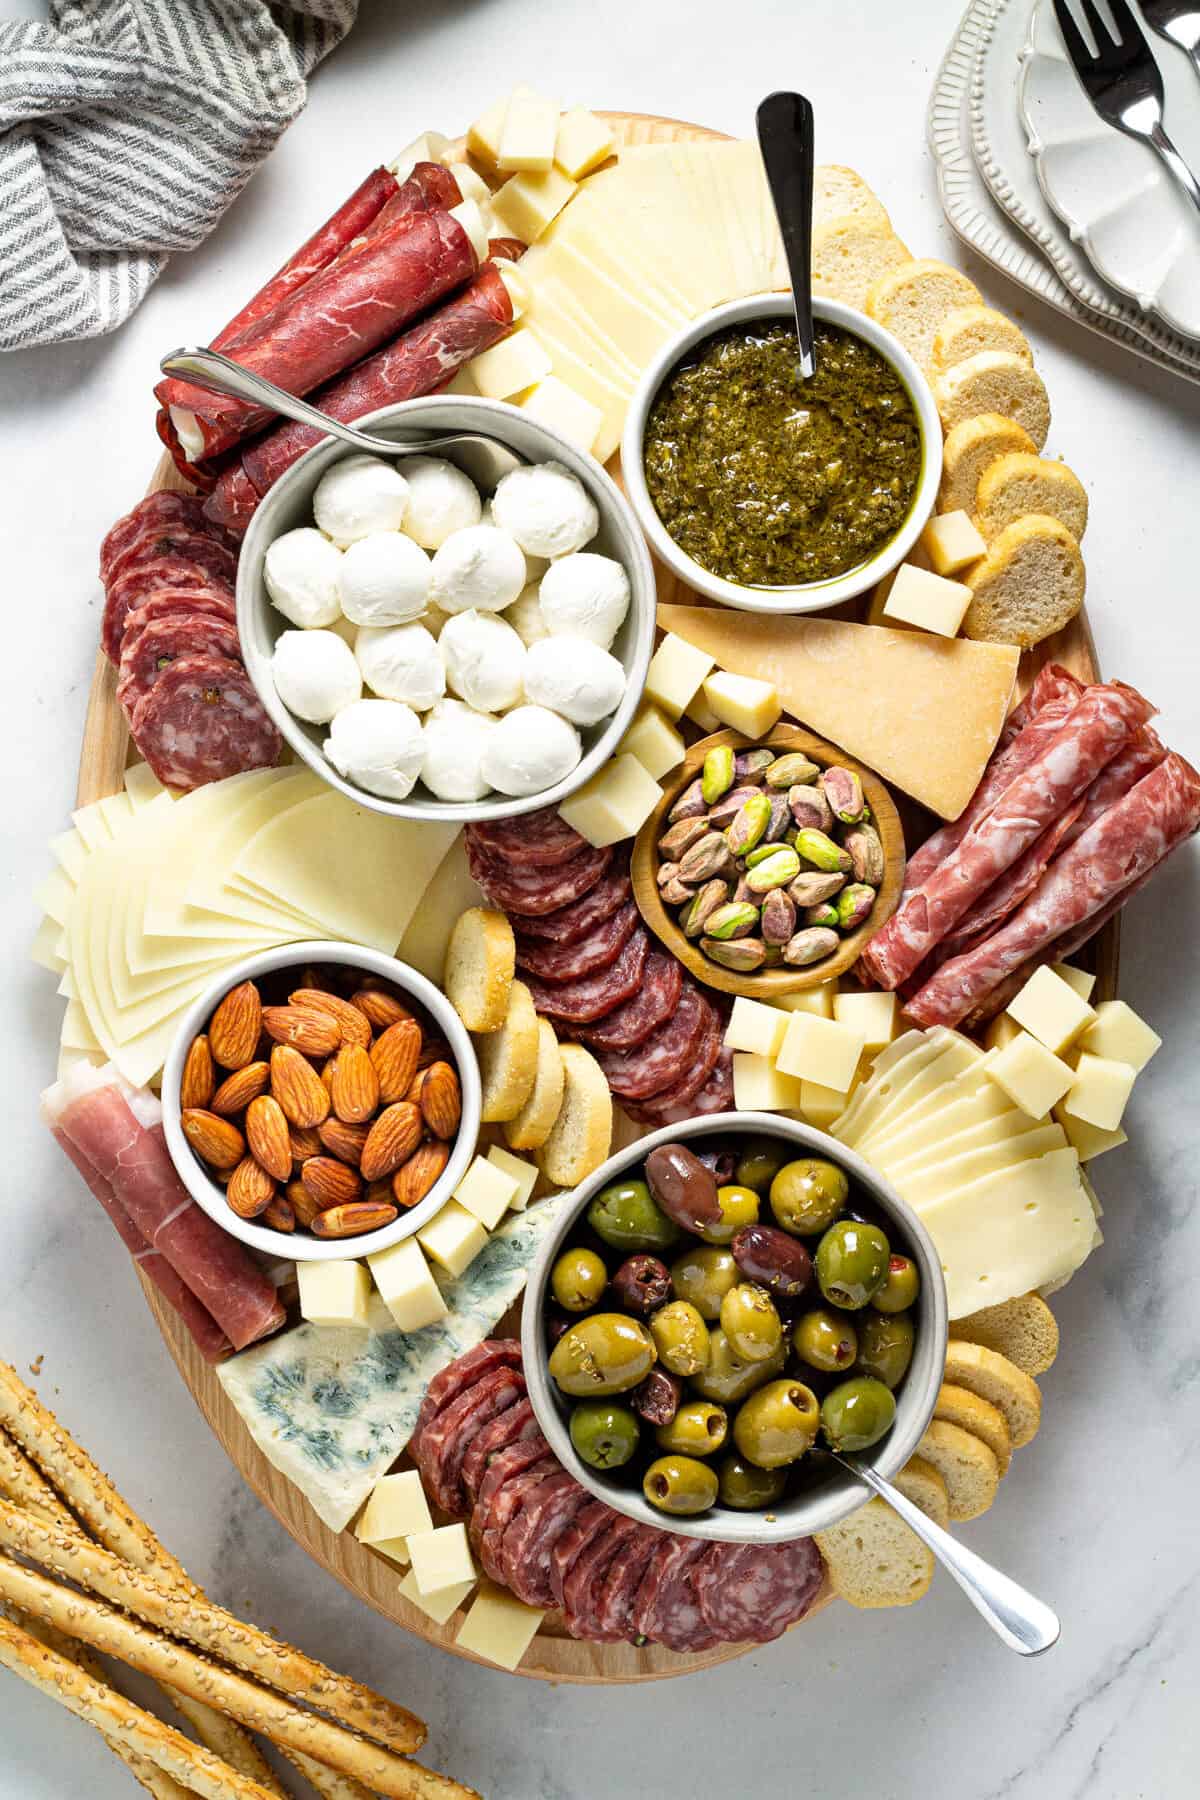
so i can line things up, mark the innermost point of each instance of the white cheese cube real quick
(676, 672)
(486, 1191)
(334, 1293)
(483, 137)
(821, 1105)
(1119, 1033)
(656, 744)
(951, 541)
(1050, 1009)
(1032, 1076)
(555, 404)
(395, 1549)
(744, 704)
(439, 1606)
(528, 134)
(816, 1049)
(919, 597)
(758, 1085)
(702, 714)
(1079, 979)
(397, 1508)
(1100, 1090)
(523, 1174)
(1001, 1032)
(462, 382)
(510, 366)
(614, 804)
(873, 1014)
(526, 204)
(820, 999)
(406, 1286)
(431, 146)
(499, 1627)
(755, 1027)
(1088, 1141)
(441, 1558)
(582, 143)
(453, 1238)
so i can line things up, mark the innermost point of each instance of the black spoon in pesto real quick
(786, 139)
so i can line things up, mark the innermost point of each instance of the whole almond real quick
(327, 1072)
(279, 1214)
(392, 1139)
(342, 1140)
(354, 1087)
(250, 1189)
(198, 1080)
(297, 1087)
(414, 1178)
(303, 1204)
(216, 1140)
(268, 1137)
(331, 1183)
(353, 1219)
(239, 1089)
(441, 1099)
(394, 1056)
(234, 1027)
(305, 1141)
(381, 1009)
(354, 1025)
(315, 1033)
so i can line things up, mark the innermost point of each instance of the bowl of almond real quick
(321, 1100)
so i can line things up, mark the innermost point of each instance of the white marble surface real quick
(1098, 1514)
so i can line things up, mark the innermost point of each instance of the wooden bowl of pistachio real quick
(768, 864)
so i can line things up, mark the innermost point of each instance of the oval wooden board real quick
(554, 1655)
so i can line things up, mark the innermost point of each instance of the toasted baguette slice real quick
(849, 254)
(969, 329)
(994, 381)
(838, 193)
(529, 1128)
(965, 1464)
(920, 1482)
(970, 446)
(508, 1058)
(480, 959)
(874, 1559)
(1017, 484)
(1028, 586)
(986, 1373)
(580, 1137)
(912, 300)
(1024, 1330)
(959, 1406)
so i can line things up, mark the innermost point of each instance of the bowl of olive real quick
(719, 1306)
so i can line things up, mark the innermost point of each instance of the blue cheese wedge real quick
(332, 1408)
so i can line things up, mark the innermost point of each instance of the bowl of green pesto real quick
(774, 493)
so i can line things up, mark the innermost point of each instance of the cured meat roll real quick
(202, 721)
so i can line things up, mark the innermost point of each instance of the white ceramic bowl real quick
(832, 1495)
(289, 504)
(813, 596)
(302, 1246)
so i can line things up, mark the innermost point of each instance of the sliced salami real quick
(527, 1547)
(504, 1509)
(536, 891)
(535, 840)
(568, 924)
(130, 590)
(164, 602)
(462, 1373)
(503, 1466)
(671, 1560)
(578, 1002)
(512, 1427)
(153, 648)
(568, 962)
(629, 1025)
(665, 1057)
(208, 547)
(753, 1592)
(586, 1525)
(714, 1097)
(680, 1623)
(619, 1588)
(446, 1439)
(202, 721)
(582, 1586)
(163, 509)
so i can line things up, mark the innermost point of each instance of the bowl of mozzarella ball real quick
(438, 651)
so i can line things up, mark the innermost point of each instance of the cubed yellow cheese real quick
(1089, 1141)
(1100, 1090)
(395, 1549)
(431, 146)
(675, 675)
(523, 1175)
(397, 1508)
(821, 1105)
(483, 137)
(1032, 1076)
(582, 143)
(1079, 979)
(1001, 1032)
(873, 1014)
(755, 1027)
(486, 1191)
(499, 1627)
(951, 541)
(526, 204)
(919, 597)
(816, 1049)
(556, 404)
(820, 999)
(439, 1606)
(758, 1085)
(334, 1293)
(1049, 1008)
(1118, 1032)
(511, 366)
(655, 742)
(614, 804)
(528, 134)
(453, 1238)
(743, 703)
(441, 1558)
(701, 713)
(406, 1286)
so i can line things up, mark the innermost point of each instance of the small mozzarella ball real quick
(478, 568)
(358, 495)
(530, 750)
(586, 596)
(525, 616)
(315, 674)
(378, 745)
(455, 738)
(401, 662)
(547, 510)
(535, 566)
(484, 660)
(301, 573)
(384, 579)
(441, 499)
(574, 677)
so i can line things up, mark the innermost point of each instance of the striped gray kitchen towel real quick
(126, 129)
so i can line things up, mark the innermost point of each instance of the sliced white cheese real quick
(424, 943)
(70, 853)
(43, 949)
(142, 784)
(935, 1176)
(949, 1055)
(92, 826)
(55, 894)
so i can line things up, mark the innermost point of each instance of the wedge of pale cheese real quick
(896, 1087)
(924, 712)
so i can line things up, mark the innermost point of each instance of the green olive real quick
(747, 1488)
(885, 1346)
(825, 1340)
(901, 1285)
(777, 1425)
(605, 1353)
(681, 1338)
(807, 1195)
(704, 1276)
(728, 1378)
(680, 1484)
(578, 1279)
(604, 1434)
(628, 1217)
(856, 1413)
(851, 1263)
(739, 1206)
(760, 1162)
(750, 1322)
(698, 1429)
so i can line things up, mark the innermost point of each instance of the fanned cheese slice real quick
(69, 852)
(967, 1099)
(424, 944)
(44, 948)
(92, 825)
(939, 1175)
(142, 784)
(891, 1090)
